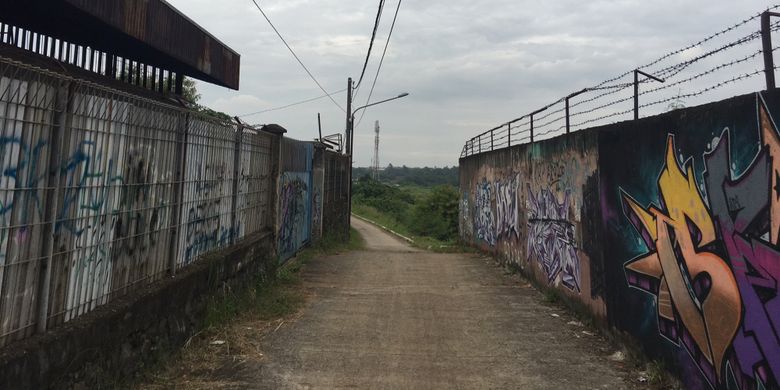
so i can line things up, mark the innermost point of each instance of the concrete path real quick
(392, 317)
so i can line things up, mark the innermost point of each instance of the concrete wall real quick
(667, 228)
(531, 206)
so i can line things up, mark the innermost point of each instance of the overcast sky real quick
(468, 64)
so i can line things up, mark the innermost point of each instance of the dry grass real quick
(237, 326)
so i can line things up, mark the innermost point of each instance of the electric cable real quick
(290, 105)
(296, 56)
(371, 44)
(381, 61)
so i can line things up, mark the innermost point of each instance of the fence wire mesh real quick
(724, 64)
(103, 192)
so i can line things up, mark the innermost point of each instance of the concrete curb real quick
(391, 231)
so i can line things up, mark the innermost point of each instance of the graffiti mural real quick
(712, 260)
(207, 219)
(466, 227)
(506, 208)
(316, 212)
(484, 222)
(551, 238)
(294, 213)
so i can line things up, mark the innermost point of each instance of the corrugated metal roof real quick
(151, 31)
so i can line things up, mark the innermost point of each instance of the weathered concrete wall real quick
(116, 340)
(667, 227)
(530, 205)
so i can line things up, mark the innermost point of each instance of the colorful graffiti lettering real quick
(484, 222)
(551, 239)
(293, 213)
(712, 261)
(507, 208)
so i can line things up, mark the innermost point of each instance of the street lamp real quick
(352, 121)
(352, 138)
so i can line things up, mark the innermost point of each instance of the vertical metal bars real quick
(103, 192)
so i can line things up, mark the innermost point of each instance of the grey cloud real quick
(467, 64)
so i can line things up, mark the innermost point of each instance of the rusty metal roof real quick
(150, 31)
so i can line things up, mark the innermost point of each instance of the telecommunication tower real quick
(376, 152)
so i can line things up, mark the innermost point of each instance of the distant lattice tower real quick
(376, 151)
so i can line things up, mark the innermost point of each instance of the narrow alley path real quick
(398, 318)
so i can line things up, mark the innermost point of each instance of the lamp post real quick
(351, 141)
(352, 118)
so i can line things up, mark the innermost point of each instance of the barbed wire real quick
(699, 43)
(671, 99)
(671, 85)
(503, 135)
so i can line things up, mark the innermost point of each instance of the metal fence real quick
(335, 198)
(295, 197)
(103, 192)
(725, 64)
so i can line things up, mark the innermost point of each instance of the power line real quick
(296, 56)
(371, 44)
(379, 68)
(291, 104)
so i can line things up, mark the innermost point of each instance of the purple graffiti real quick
(551, 239)
(748, 218)
(713, 261)
(293, 213)
(506, 208)
(484, 221)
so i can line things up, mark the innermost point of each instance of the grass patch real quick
(422, 242)
(238, 319)
(267, 299)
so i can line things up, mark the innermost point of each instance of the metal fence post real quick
(509, 135)
(491, 141)
(766, 40)
(276, 173)
(236, 177)
(532, 128)
(568, 126)
(636, 94)
(178, 192)
(637, 72)
(58, 135)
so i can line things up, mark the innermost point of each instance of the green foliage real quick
(190, 90)
(437, 214)
(383, 197)
(421, 211)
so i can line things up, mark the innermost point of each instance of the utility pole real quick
(376, 151)
(348, 133)
(348, 140)
(319, 127)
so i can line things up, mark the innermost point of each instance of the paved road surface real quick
(396, 318)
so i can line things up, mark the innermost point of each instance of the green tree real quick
(437, 214)
(383, 197)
